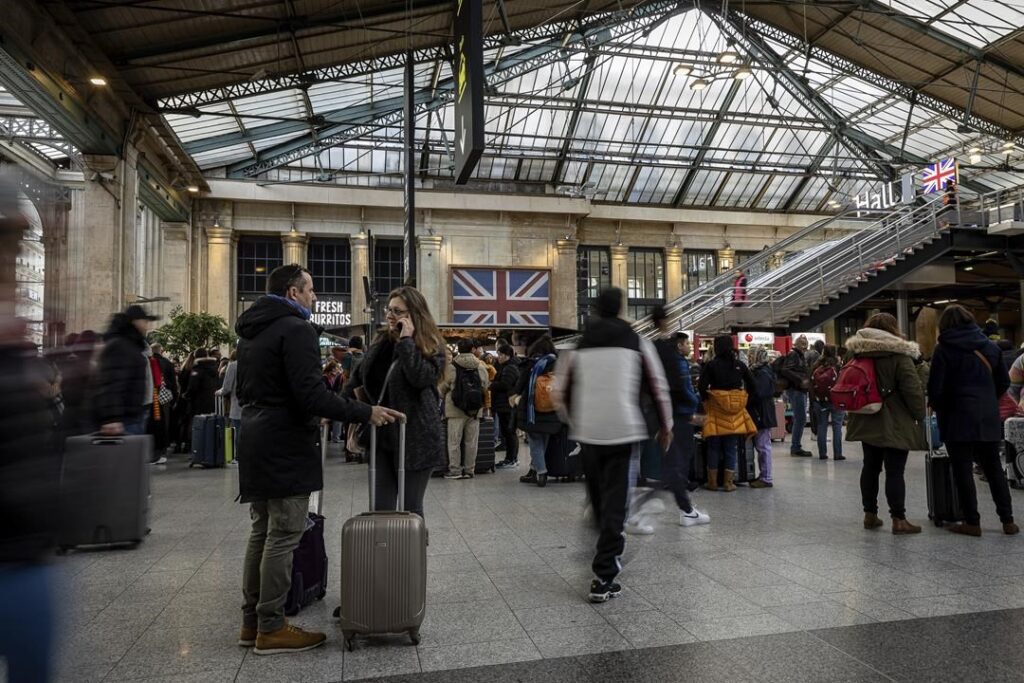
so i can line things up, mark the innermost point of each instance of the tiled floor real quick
(508, 573)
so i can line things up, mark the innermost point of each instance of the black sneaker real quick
(466, 475)
(506, 464)
(801, 454)
(529, 478)
(840, 457)
(603, 592)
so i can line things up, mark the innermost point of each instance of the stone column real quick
(219, 246)
(294, 247)
(563, 284)
(54, 214)
(926, 330)
(360, 267)
(673, 273)
(431, 275)
(726, 260)
(109, 225)
(174, 275)
(620, 272)
(903, 312)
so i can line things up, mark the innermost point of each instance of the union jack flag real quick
(501, 297)
(935, 176)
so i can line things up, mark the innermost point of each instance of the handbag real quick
(165, 396)
(362, 432)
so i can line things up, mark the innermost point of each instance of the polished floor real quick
(784, 584)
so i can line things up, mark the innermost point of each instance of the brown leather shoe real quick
(288, 639)
(760, 483)
(712, 484)
(966, 529)
(872, 521)
(247, 637)
(1010, 529)
(901, 527)
(727, 478)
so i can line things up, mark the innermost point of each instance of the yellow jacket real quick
(727, 413)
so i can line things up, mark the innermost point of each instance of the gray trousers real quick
(277, 528)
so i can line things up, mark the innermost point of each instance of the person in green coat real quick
(888, 435)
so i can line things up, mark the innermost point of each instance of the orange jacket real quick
(727, 413)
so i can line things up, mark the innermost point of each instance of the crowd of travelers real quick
(612, 398)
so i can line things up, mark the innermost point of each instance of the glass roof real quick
(617, 122)
(979, 22)
(13, 113)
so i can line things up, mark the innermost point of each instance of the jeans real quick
(798, 402)
(826, 414)
(135, 426)
(538, 447)
(677, 462)
(763, 447)
(725, 448)
(962, 456)
(27, 622)
(463, 434)
(607, 476)
(337, 431)
(509, 437)
(277, 528)
(386, 490)
(894, 461)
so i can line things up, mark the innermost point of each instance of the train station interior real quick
(763, 169)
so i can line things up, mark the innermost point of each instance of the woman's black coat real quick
(962, 390)
(412, 390)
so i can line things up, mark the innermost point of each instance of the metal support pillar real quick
(903, 313)
(410, 169)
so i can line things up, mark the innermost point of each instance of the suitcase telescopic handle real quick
(401, 465)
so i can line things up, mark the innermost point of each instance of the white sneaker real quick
(162, 460)
(637, 526)
(693, 518)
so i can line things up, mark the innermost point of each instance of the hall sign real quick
(329, 313)
(469, 87)
(884, 199)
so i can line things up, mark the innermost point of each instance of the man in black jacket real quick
(279, 385)
(124, 378)
(503, 385)
(798, 376)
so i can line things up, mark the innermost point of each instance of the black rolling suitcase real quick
(746, 462)
(484, 448)
(105, 491)
(699, 464)
(309, 559)
(943, 503)
(562, 457)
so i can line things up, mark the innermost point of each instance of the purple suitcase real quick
(309, 560)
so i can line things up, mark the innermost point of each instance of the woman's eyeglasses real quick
(396, 312)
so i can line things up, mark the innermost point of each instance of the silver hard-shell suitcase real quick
(105, 491)
(383, 564)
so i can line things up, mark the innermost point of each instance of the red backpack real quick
(856, 389)
(822, 381)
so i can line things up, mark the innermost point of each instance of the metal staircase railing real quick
(819, 271)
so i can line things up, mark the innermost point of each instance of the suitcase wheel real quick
(350, 640)
(414, 636)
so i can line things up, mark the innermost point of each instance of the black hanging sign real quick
(469, 87)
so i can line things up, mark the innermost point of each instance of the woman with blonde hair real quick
(401, 370)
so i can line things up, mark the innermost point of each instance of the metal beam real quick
(583, 89)
(585, 36)
(709, 137)
(904, 90)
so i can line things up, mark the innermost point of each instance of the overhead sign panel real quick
(469, 88)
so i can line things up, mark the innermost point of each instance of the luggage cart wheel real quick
(414, 636)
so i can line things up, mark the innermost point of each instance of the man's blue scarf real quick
(539, 368)
(303, 311)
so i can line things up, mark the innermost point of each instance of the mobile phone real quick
(400, 325)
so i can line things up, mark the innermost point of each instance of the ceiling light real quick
(969, 268)
(975, 158)
(98, 81)
(975, 150)
(742, 73)
(682, 70)
(193, 188)
(728, 57)
(1008, 145)
(698, 84)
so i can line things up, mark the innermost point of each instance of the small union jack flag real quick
(501, 297)
(935, 176)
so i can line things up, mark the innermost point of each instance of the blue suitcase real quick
(208, 441)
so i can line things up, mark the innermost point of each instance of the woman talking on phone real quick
(401, 371)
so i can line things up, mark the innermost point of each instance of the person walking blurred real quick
(889, 435)
(967, 378)
(598, 393)
(123, 376)
(674, 350)
(725, 385)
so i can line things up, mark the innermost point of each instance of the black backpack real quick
(468, 392)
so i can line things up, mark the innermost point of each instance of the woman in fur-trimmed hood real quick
(888, 435)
